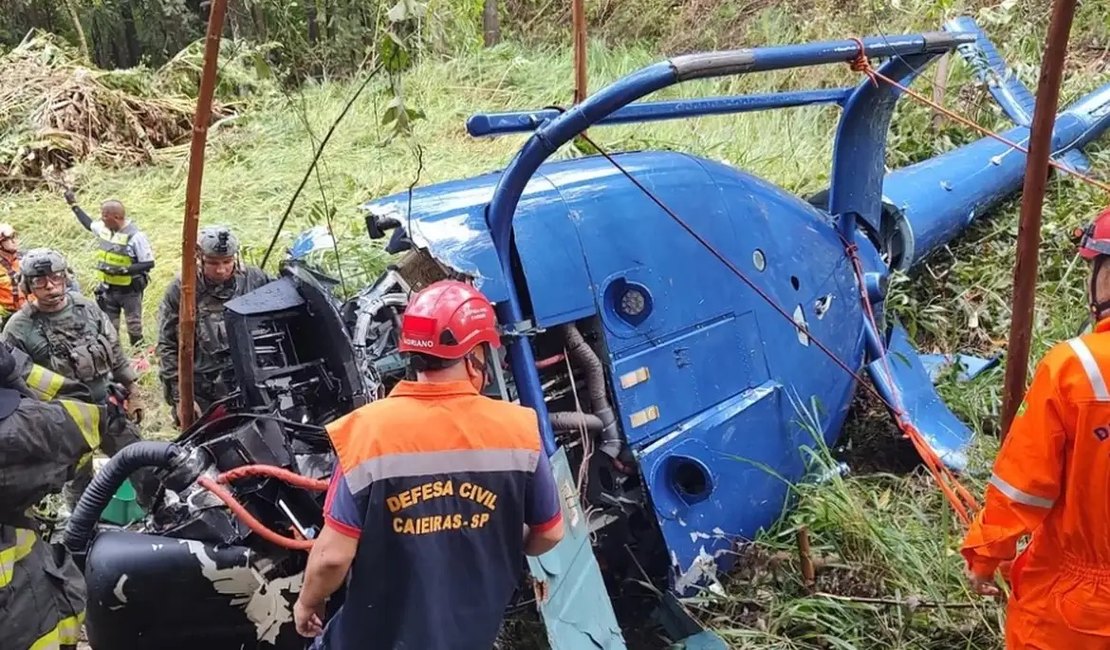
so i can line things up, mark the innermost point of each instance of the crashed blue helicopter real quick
(665, 316)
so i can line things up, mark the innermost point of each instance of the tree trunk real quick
(130, 35)
(491, 23)
(76, 18)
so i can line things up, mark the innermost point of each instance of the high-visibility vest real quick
(114, 253)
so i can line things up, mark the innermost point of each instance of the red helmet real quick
(1094, 240)
(448, 319)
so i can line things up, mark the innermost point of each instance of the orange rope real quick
(959, 497)
(249, 519)
(862, 64)
(271, 471)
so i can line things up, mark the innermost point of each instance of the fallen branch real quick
(911, 603)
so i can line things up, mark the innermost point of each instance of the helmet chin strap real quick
(1097, 308)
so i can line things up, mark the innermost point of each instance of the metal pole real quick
(578, 13)
(1029, 230)
(186, 329)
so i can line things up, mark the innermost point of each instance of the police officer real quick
(220, 278)
(123, 264)
(65, 332)
(42, 592)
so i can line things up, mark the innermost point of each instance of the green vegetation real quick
(882, 536)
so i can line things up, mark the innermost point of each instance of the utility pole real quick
(187, 314)
(1032, 200)
(491, 23)
(578, 15)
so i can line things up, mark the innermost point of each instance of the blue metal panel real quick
(717, 478)
(577, 610)
(943, 431)
(859, 152)
(689, 372)
(991, 69)
(483, 124)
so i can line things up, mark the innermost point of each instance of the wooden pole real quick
(578, 13)
(187, 315)
(1029, 230)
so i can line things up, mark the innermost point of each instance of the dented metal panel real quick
(570, 590)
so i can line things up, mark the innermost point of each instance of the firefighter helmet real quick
(448, 319)
(1094, 240)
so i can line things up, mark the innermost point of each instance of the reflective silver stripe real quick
(1018, 495)
(1098, 384)
(87, 419)
(440, 462)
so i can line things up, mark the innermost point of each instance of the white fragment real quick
(264, 603)
(118, 591)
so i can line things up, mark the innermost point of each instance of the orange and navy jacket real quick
(437, 483)
(1051, 478)
(11, 299)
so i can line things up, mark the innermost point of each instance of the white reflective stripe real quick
(1098, 384)
(1018, 495)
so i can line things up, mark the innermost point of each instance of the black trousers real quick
(129, 301)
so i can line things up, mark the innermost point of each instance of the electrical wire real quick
(256, 526)
(272, 471)
(316, 158)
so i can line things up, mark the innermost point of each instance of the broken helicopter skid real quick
(670, 425)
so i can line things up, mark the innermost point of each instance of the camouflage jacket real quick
(212, 370)
(77, 342)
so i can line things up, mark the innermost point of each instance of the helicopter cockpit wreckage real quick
(663, 313)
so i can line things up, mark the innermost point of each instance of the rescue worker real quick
(65, 332)
(1050, 480)
(42, 592)
(437, 494)
(220, 277)
(11, 299)
(123, 264)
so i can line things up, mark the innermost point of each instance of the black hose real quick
(583, 355)
(573, 421)
(133, 457)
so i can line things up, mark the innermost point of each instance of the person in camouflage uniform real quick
(48, 428)
(220, 277)
(68, 334)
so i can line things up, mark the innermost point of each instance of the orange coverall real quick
(1052, 480)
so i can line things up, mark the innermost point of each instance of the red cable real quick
(252, 523)
(543, 364)
(271, 471)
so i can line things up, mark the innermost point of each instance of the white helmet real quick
(6, 231)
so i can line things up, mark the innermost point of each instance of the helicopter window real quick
(794, 282)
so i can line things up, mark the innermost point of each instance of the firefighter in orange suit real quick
(11, 299)
(1052, 480)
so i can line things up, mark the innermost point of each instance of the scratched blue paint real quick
(731, 381)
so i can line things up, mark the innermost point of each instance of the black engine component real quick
(286, 355)
(149, 591)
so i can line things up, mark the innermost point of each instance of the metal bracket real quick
(522, 329)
